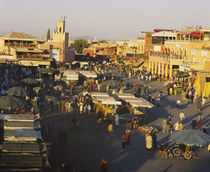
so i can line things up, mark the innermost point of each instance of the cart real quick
(181, 150)
(145, 129)
(179, 90)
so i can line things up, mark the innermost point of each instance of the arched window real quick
(60, 29)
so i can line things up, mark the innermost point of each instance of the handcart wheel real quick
(176, 151)
(170, 155)
(188, 155)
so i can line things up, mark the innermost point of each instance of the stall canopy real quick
(100, 98)
(19, 117)
(13, 125)
(128, 100)
(111, 102)
(88, 74)
(98, 94)
(22, 135)
(141, 104)
(134, 101)
(122, 95)
(71, 75)
(104, 98)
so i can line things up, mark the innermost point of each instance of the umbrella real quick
(12, 102)
(190, 137)
(17, 91)
(30, 81)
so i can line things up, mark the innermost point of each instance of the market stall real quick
(139, 105)
(104, 103)
(71, 75)
(125, 95)
(87, 76)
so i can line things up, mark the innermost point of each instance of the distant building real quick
(179, 51)
(130, 47)
(58, 47)
(23, 49)
(101, 48)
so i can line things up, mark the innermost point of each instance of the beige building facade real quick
(58, 47)
(24, 50)
(126, 47)
(181, 55)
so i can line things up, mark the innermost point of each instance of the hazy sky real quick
(103, 19)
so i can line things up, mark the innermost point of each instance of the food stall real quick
(124, 95)
(71, 76)
(88, 76)
(139, 105)
(104, 103)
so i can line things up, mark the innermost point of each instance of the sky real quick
(101, 19)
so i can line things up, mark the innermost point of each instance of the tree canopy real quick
(79, 45)
(48, 34)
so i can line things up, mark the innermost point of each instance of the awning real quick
(195, 34)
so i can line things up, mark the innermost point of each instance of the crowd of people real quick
(56, 95)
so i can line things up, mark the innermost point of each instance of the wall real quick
(55, 53)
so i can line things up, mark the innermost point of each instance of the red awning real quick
(195, 34)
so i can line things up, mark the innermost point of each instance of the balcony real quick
(167, 56)
(26, 45)
(168, 59)
(33, 57)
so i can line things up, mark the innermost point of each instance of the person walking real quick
(158, 101)
(200, 124)
(123, 141)
(169, 125)
(164, 150)
(182, 116)
(164, 125)
(154, 139)
(178, 103)
(81, 107)
(200, 114)
(194, 124)
(181, 126)
(107, 88)
(205, 129)
(117, 120)
(89, 108)
(203, 101)
(176, 126)
(99, 87)
(148, 141)
(110, 129)
(103, 165)
(139, 90)
(99, 123)
(127, 134)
